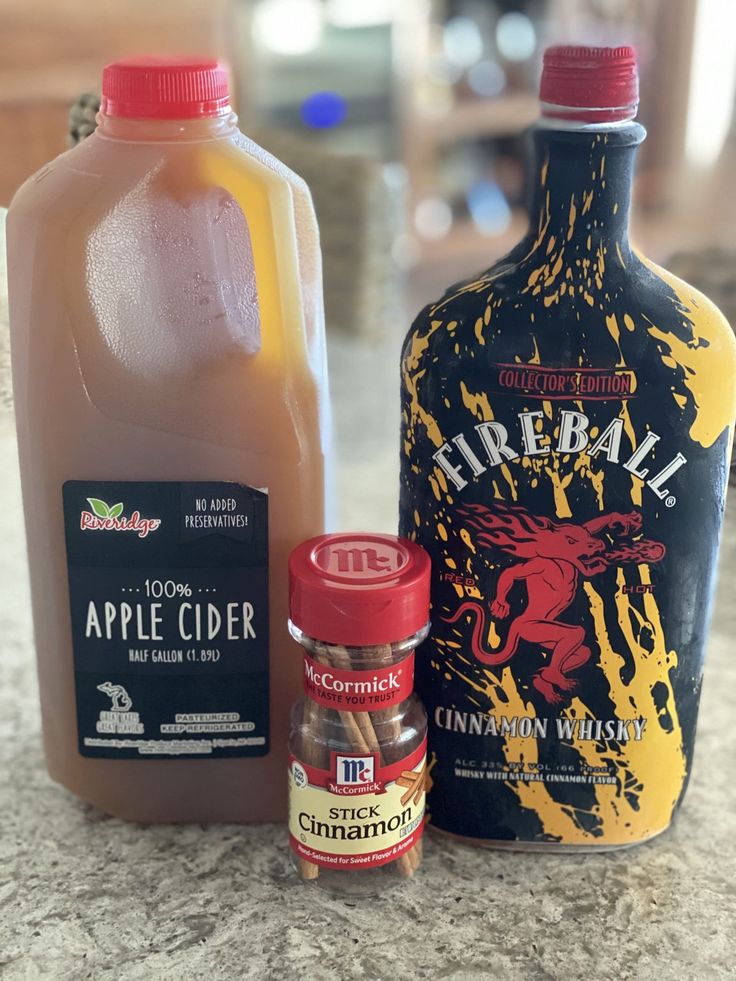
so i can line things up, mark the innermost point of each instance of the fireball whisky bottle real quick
(566, 429)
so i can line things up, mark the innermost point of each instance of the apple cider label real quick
(168, 590)
(358, 813)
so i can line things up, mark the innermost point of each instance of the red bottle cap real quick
(359, 589)
(165, 88)
(590, 84)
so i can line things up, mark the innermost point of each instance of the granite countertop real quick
(83, 895)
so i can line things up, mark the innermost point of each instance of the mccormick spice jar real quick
(359, 605)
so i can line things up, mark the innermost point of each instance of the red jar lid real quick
(359, 589)
(587, 79)
(165, 88)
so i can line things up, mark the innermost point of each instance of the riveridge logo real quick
(104, 517)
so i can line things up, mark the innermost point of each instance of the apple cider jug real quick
(171, 399)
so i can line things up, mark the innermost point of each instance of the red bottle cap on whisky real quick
(359, 589)
(165, 88)
(590, 84)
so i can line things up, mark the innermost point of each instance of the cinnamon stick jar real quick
(359, 606)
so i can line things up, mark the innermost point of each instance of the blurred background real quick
(408, 120)
(407, 117)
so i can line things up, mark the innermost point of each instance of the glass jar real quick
(357, 743)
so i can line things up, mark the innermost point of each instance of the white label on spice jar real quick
(357, 814)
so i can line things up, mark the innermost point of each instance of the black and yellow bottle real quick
(567, 425)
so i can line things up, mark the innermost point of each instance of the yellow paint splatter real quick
(560, 482)
(572, 219)
(708, 359)
(467, 540)
(544, 172)
(615, 332)
(412, 378)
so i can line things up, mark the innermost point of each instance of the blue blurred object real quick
(516, 36)
(323, 110)
(462, 41)
(487, 79)
(488, 207)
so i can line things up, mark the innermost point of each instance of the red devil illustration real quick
(551, 557)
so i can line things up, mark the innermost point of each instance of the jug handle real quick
(266, 202)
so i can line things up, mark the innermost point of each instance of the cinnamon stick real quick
(387, 717)
(361, 732)
(416, 787)
(313, 756)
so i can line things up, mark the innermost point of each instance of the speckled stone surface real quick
(86, 896)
